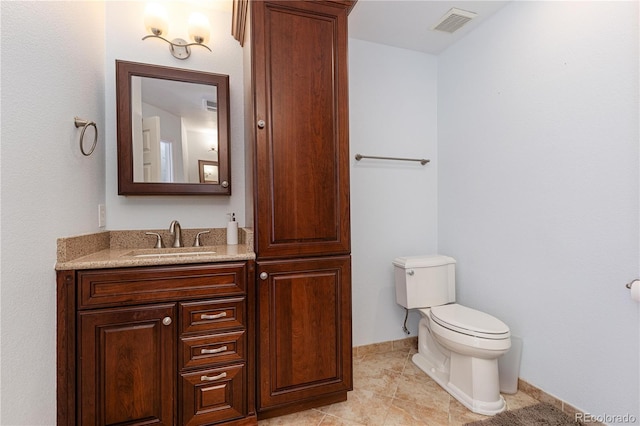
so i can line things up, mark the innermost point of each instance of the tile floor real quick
(390, 390)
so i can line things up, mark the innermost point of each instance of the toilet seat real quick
(461, 319)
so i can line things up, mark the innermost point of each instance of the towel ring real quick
(79, 122)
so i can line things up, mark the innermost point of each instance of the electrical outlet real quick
(102, 214)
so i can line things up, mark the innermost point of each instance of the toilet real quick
(458, 347)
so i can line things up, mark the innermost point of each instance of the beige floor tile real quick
(406, 413)
(519, 400)
(393, 360)
(303, 418)
(361, 406)
(337, 421)
(460, 415)
(422, 391)
(380, 381)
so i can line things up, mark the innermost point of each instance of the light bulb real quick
(156, 20)
(199, 28)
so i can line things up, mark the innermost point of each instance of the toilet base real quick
(443, 379)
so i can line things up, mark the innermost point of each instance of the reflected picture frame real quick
(209, 172)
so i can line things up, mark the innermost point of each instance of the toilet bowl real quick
(458, 347)
(464, 364)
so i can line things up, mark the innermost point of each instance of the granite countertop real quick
(118, 249)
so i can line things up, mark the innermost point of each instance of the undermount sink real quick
(171, 252)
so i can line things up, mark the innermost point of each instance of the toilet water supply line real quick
(404, 326)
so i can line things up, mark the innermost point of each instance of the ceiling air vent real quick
(453, 20)
(209, 105)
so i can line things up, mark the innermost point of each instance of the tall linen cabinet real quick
(297, 150)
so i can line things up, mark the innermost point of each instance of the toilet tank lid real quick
(425, 261)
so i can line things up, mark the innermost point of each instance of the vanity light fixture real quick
(157, 23)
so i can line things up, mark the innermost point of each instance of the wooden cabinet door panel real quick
(213, 395)
(302, 183)
(127, 366)
(305, 329)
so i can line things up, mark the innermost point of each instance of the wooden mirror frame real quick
(126, 185)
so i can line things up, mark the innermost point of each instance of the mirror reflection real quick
(174, 131)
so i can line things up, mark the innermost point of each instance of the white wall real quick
(52, 70)
(392, 112)
(538, 135)
(124, 32)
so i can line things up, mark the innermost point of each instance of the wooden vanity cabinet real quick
(298, 148)
(166, 345)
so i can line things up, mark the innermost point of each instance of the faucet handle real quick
(159, 243)
(196, 242)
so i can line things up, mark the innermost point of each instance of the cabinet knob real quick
(261, 124)
(264, 276)
(225, 184)
(167, 320)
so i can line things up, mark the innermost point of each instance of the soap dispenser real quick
(232, 230)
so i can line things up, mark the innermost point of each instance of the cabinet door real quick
(301, 107)
(304, 329)
(127, 366)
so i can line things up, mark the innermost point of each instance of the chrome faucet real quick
(176, 230)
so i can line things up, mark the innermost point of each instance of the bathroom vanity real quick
(207, 338)
(163, 338)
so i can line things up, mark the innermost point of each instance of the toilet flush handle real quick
(410, 272)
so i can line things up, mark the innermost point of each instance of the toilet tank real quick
(425, 281)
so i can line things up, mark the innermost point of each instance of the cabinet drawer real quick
(212, 315)
(111, 287)
(199, 351)
(212, 395)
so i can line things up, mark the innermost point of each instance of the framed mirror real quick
(173, 131)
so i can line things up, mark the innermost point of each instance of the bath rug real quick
(542, 414)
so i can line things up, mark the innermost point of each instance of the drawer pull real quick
(211, 379)
(214, 316)
(213, 351)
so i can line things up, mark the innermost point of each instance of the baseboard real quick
(542, 396)
(393, 345)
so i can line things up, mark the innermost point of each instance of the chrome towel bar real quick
(422, 161)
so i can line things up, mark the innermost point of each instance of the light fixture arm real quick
(179, 48)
